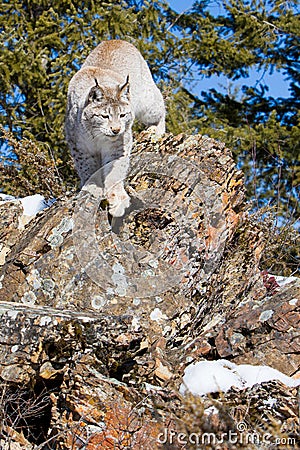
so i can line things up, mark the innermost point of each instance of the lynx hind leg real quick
(153, 114)
(160, 128)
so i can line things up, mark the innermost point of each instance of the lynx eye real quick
(105, 116)
(122, 115)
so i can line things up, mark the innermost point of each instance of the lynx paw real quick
(118, 202)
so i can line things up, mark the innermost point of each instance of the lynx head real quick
(107, 110)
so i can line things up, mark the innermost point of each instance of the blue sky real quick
(278, 86)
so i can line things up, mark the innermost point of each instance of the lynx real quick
(113, 87)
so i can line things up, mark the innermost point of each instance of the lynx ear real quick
(96, 93)
(124, 90)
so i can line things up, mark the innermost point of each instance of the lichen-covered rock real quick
(186, 201)
(101, 316)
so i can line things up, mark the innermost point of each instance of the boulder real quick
(100, 316)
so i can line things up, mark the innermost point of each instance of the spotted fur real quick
(113, 87)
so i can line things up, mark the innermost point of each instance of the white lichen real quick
(65, 225)
(55, 238)
(148, 273)
(98, 302)
(119, 279)
(29, 298)
(153, 263)
(266, 315)
(34, 279)
(48, 285)
(136, 301)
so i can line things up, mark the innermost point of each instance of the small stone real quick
(3, 253)
(162, 371)
(48, 372)
(17, 374)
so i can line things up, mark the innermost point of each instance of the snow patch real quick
(293, 302)
(271, 402)
(205, 377)
(211, 410)
(136, 324)
(282, 281)
(32, 204)
(7, 198)
(45, 321)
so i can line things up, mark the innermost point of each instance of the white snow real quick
(293, 302)
(205, 377)
(282, 281)
(32, 204)
(211, 410)
(7, 198)
(270, 402)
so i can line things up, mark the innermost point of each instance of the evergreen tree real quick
(44, 43)
(263, 131)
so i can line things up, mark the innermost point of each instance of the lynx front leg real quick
(115, 175)
(118, 200)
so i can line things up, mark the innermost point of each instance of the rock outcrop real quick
(100, 317)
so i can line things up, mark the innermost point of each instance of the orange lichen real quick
(122, 427)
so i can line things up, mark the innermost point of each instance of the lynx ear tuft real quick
(124, 90)
(96, 93)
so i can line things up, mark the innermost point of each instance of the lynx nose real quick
(116, 130)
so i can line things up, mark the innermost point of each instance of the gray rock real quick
(100, 318)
